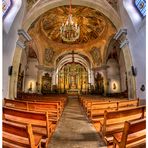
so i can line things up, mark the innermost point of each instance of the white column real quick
(105, 81)
(39, 80)
(130, 78)
(14, 76)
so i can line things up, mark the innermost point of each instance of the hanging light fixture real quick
(69, 31)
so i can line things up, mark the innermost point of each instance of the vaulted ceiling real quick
(96, 31)
(93, 24)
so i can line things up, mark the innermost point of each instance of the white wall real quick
(113, 75)
(23, 65)
(31, 75)
(122, 72)
(9, 44)
(137, 44)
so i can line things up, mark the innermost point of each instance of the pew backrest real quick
(114, 121)
(39, 119)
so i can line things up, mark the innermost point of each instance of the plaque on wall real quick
(46, 84)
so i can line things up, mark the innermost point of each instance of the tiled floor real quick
(74, 130)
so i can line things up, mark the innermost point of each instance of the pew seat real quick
(19, 136)
(39, 121)
(133, 135)
(113, 122)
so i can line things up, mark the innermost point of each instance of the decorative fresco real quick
(30, 3)
(113, 3)
(95, 30)
(96, 55)
(93, 24)
(48, 55)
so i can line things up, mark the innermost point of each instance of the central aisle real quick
(74, 130)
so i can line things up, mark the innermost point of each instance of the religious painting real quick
(96, 55)
(99, 89)
(20, 82)
(48, 55)
(46, 84)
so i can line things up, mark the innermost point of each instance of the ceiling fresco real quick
(95, 31)
(30, 3)
(93, 24)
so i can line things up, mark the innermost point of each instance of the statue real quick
(73, 82)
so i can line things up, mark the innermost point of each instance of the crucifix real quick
(72, 56)
(73, 72)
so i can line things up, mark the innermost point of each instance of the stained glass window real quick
(6, 5)
(141, 6)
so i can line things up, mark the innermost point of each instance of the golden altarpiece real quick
(73, 76)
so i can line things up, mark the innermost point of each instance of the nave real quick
(74, 129)
(60, 122)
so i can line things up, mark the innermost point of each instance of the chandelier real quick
(69, 31)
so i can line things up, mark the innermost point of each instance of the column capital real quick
(121, 37)
(45, 68)
(120, 34)
(20, 44)
(100, 68)
(124, 43)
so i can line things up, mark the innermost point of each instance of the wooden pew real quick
(61, 101)
(98, 108)
(42, 98)
(15, 104)
(39, 121)
(113, 122)
(97, 111)
(19, 136)
(133, 135)
(53, 109)
(127, 104)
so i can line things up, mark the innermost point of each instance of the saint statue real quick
(73, 82)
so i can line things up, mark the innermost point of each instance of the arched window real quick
(6, 6)
(10, 10)
(134, 13)
(141, 6)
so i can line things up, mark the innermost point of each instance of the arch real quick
(40, 8)
(113, 75)
(79, 53)
(141, 6)
(123, 57)
(77, 59)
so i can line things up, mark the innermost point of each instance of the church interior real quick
(74, 74)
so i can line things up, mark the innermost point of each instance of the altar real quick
(73, 93)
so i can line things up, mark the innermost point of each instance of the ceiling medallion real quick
(70, 31)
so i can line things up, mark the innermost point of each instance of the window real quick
(141, 6)
(6, 5)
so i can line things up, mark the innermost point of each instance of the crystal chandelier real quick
(69, 31)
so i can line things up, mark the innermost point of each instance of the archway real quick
(73, 76)
(73, 71)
